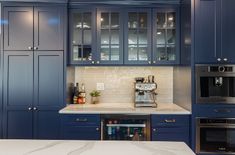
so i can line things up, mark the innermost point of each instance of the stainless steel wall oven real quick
(215, 84)
(215, 135)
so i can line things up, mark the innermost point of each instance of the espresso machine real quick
(145, 92)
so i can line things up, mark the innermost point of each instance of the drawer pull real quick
(222, 110)
(170, 120)
(81, 120)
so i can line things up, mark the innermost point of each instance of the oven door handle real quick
(222, 110)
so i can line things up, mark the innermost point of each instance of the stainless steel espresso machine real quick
(145, 92)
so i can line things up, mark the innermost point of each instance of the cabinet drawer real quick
(81, 133)
(215, 111)
(170, 120)
(81, 120)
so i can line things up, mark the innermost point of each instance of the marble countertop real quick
(66, 147)
(123, 108)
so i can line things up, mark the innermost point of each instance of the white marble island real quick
(66, 147)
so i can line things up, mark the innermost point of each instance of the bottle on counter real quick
(76, 94)
(82, 95)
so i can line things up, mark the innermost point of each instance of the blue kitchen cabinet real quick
(214, 34)
(137, 38)
(38, 28)
(80, 126)
(170, 128)
(166, 36)
(33, 83)
(18, 94)
(109, 36)
(48, 93)
(18, 28)
(82, 23)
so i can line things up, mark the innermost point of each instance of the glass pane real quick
(104, 52)
(77, 36)
(87, 20)
(132, 53)
(132, 37)
(143, 37)
(77, 53)
(161, 20)
(132, 22)
(161, 36)
(77, 20)
(104, 20)
(87, 37)
(87, 55)
(114, 20)
(115, 52)
(104, 36)
(171, 36)
(171, 53)
(114, 36)
(171, 19)
(143, 55)
(161, 53)
(143, 18)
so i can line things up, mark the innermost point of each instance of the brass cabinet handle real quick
(81, 120)
(170, 120)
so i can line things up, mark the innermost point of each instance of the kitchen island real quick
(66, 147)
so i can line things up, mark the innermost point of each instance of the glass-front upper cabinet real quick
(109, 36)
(82, 36)
(165, 36)
(138, 36)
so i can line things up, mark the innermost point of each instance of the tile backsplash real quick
(119, 82)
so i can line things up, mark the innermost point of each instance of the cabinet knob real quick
(149, 62)
(225, 59)
(30, 48)
(98, 62)
(97, 129)
(154, 130)
(29, 108)
(35, 48)
(34, 108)
(219, 59)
(154, 62)
(92, 62)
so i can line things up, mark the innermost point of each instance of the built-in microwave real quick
(215, 83)
(215, 135)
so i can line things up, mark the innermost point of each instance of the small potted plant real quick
(95, 96)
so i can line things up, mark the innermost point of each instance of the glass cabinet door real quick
(165, 36)
(138, 38)
(109, 37)
(82, 35)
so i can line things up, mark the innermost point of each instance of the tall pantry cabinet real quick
(33, 70)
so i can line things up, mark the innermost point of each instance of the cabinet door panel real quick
(48, 80)
(18, 28)
(48, 28)
(228, 33)
(19, 124)
(18, 79)
(207, 31)
(18, 94)
(47, 124)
